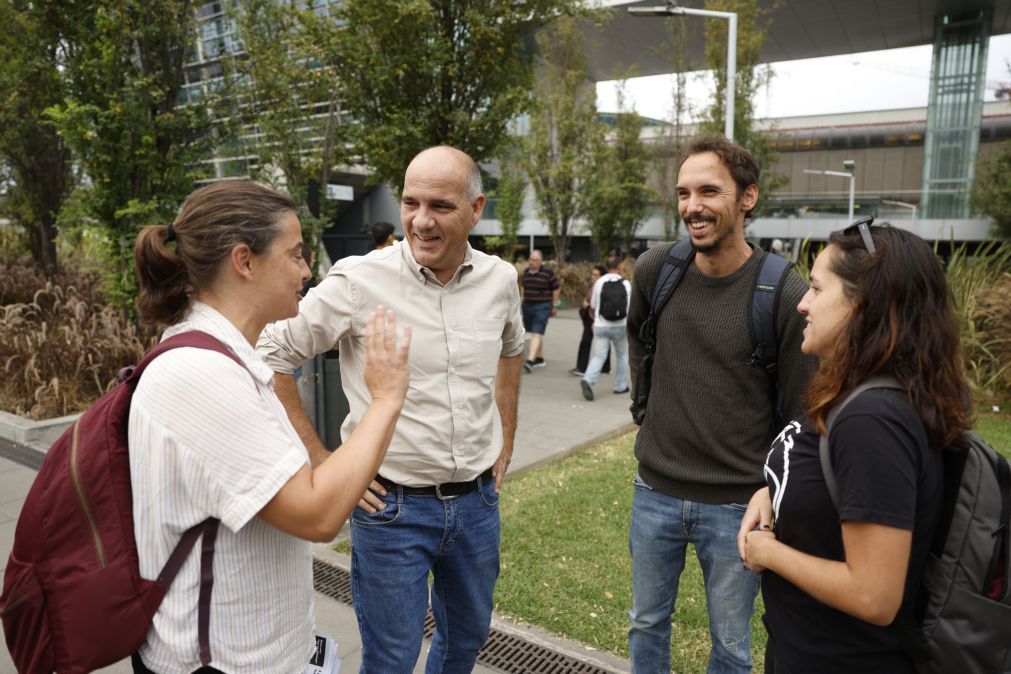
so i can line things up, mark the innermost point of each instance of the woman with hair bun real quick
(837, 583)
(209, 438)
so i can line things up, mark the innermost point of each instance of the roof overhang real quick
(799, 29)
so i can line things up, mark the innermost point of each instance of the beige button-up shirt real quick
(449, 430)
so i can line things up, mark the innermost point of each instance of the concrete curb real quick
(37, 434)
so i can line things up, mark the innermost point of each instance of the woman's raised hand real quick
(386, 370)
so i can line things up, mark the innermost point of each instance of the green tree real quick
(138, 148)
(619, 194)
(290, 97)
(564, 131)
(991, 193)
(752, 30)
(509, 194)
(286, 92)
(417, 73)
(670, 139)
(37, 159)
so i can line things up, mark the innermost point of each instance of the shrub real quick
(60, 346)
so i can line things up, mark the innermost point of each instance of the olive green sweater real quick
(708, 419)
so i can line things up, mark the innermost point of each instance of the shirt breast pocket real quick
(488, 345)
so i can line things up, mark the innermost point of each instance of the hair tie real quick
(171, 236)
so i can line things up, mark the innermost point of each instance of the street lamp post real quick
(849, 164)
(671, 8)
(903, 204)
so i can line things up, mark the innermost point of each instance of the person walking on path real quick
(708, 420)
(209, 439)
(540, 289)
(611, 295)
(586, 316)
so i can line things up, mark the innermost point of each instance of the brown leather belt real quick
(444, 491)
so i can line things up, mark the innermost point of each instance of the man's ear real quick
(240, 259)
(749, 198)
(478, 207)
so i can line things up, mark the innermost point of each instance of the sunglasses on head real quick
(863, 225)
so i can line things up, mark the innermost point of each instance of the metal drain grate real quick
(504, 652)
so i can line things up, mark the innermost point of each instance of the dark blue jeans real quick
(392, 553)
(536, 315)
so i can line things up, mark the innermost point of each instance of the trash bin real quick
(319, 385)
(335, 405)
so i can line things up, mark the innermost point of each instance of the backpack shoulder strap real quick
(764, 304)
(191, 338)
(764, 336)
(679, 256)
(823, 450)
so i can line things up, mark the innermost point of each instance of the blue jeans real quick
(392, 553)
(603, 337)
(661, 528)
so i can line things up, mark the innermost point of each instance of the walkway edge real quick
(534, 635)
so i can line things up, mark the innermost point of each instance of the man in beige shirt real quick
(434, 505)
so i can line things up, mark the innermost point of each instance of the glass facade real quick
(953, 117)
(216, 40)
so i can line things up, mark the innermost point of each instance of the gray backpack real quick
(962, 617)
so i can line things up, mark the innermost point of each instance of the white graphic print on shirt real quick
(783, 443)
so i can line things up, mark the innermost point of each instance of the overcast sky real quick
(879, 80)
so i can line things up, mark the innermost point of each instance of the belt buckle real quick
(441, 496)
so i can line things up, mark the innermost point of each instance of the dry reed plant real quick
(993, 325)
(60, 345)
(975, 279)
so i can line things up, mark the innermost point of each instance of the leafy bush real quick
(60, 346)
(13, 242)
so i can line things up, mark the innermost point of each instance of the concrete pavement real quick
(554, 421)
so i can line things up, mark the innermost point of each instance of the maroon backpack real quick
(73, 599)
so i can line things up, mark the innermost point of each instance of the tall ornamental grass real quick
(980, 282)
(60, 345)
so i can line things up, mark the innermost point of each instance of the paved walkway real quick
(554, 421)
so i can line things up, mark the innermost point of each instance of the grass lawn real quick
(565, 561)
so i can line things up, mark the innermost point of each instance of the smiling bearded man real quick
(707, 422)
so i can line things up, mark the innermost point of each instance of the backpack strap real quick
(209, 529)
(764, 309)
(191, 338)
(1001, 533)
(679, 256)
(823, 450)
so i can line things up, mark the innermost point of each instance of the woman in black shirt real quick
(834, 581)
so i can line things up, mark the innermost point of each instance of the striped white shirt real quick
(209, 440)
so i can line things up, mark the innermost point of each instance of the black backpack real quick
(613, 300)
(764, 304)
(961, 621)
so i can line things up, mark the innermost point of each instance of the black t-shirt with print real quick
(887, 475)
